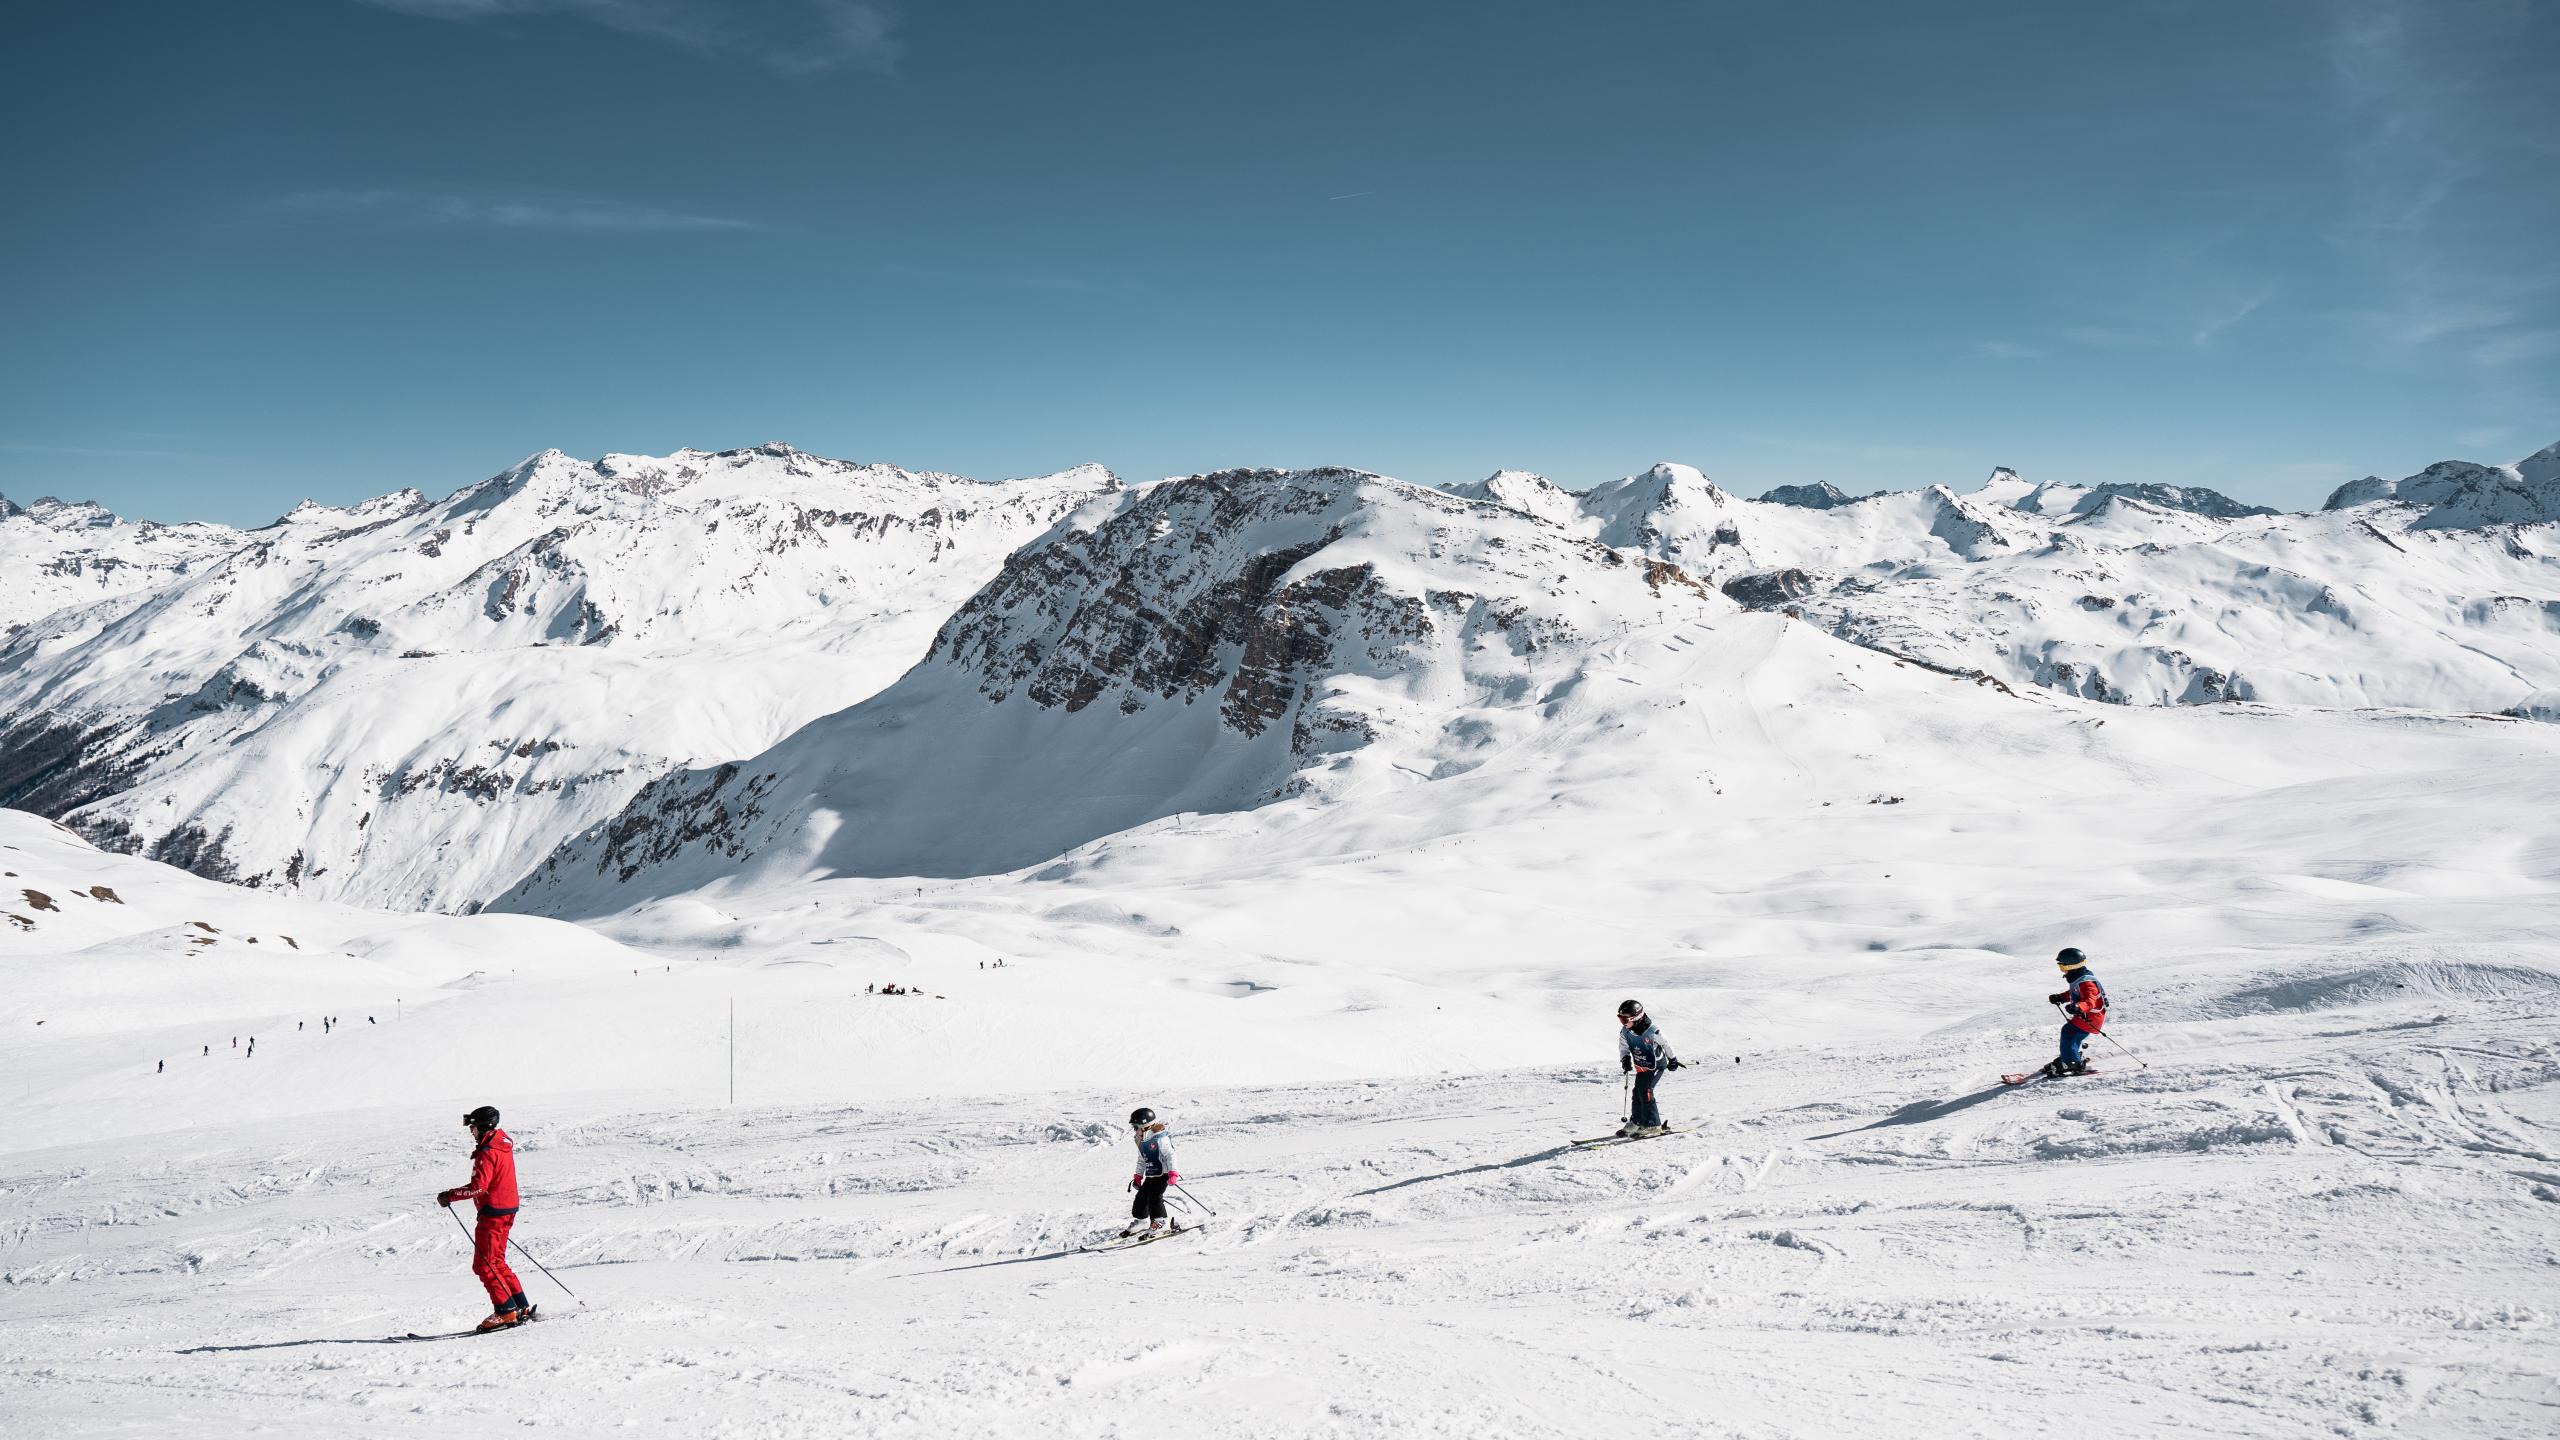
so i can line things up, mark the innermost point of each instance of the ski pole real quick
(2110, 1039)
(519, 1249)
(545, 1269)
(1194, 1199)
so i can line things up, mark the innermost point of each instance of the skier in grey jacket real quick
(1643, 1053)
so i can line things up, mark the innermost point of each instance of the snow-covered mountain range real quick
(409, 702)
(55, 554)
(412, 702)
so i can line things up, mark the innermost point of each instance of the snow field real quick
(2279, 1228)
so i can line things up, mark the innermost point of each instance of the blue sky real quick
(265, 249)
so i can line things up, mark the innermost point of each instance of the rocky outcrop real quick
(1822, 495)
(2193, 499)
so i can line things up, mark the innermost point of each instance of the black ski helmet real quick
(1142, 1116)
(2071, 958)
(1630, 1008)
(484, 1118)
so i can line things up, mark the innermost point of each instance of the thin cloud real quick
(2211, 326)
(796, 37)
(94, 452)
(2436, 212)
(2006, 350)
(493, 210)
(1009, 279)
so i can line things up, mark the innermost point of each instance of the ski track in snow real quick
(2342, 1231)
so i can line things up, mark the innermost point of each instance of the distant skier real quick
(1643, 1053)
(1155, 1171)
(163, 1070)
(2084, 1011)
(493, 1190)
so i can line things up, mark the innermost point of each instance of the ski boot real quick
(1626, 1130)
(1132, 1228)
(1647, 1132)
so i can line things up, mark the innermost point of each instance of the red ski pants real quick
(489, 1259)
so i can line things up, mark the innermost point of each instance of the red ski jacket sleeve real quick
(493, 1176)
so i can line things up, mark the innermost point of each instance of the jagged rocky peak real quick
(2465, 495)
(1821, 495)
(1222, 582)
(67, 515)
(2004, 487)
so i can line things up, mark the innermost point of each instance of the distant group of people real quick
(328, 1025)
(889, 989)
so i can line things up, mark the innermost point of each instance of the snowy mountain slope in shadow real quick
(412, 701)
(1206, 644)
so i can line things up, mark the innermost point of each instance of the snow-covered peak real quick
(66, 515)
(2465, 495)
(1212, 642)
(1820, 495)
(2004, 487)
(438, 691)
(58, 555)
(2193, 499)
(1525, 492)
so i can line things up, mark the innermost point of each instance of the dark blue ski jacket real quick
(1641, 1047)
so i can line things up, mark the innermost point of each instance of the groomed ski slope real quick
(1375, 1022)
(2313, 1215)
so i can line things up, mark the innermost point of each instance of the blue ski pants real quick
(2073, 1037)
(1644, 1111)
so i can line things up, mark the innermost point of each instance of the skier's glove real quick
(1173, 1177)
(1133, 1182)
(1671, 1065)
(1626, 1066)
(2057, 997)
(444, 1197)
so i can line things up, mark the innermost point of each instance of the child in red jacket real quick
(493, 1187)
(2084, 1012)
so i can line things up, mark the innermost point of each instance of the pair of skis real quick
(531, 1314)
(2023, 1076)
(1597, 1141)
(1132, 1242)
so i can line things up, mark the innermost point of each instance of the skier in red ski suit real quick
(493, 1188)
